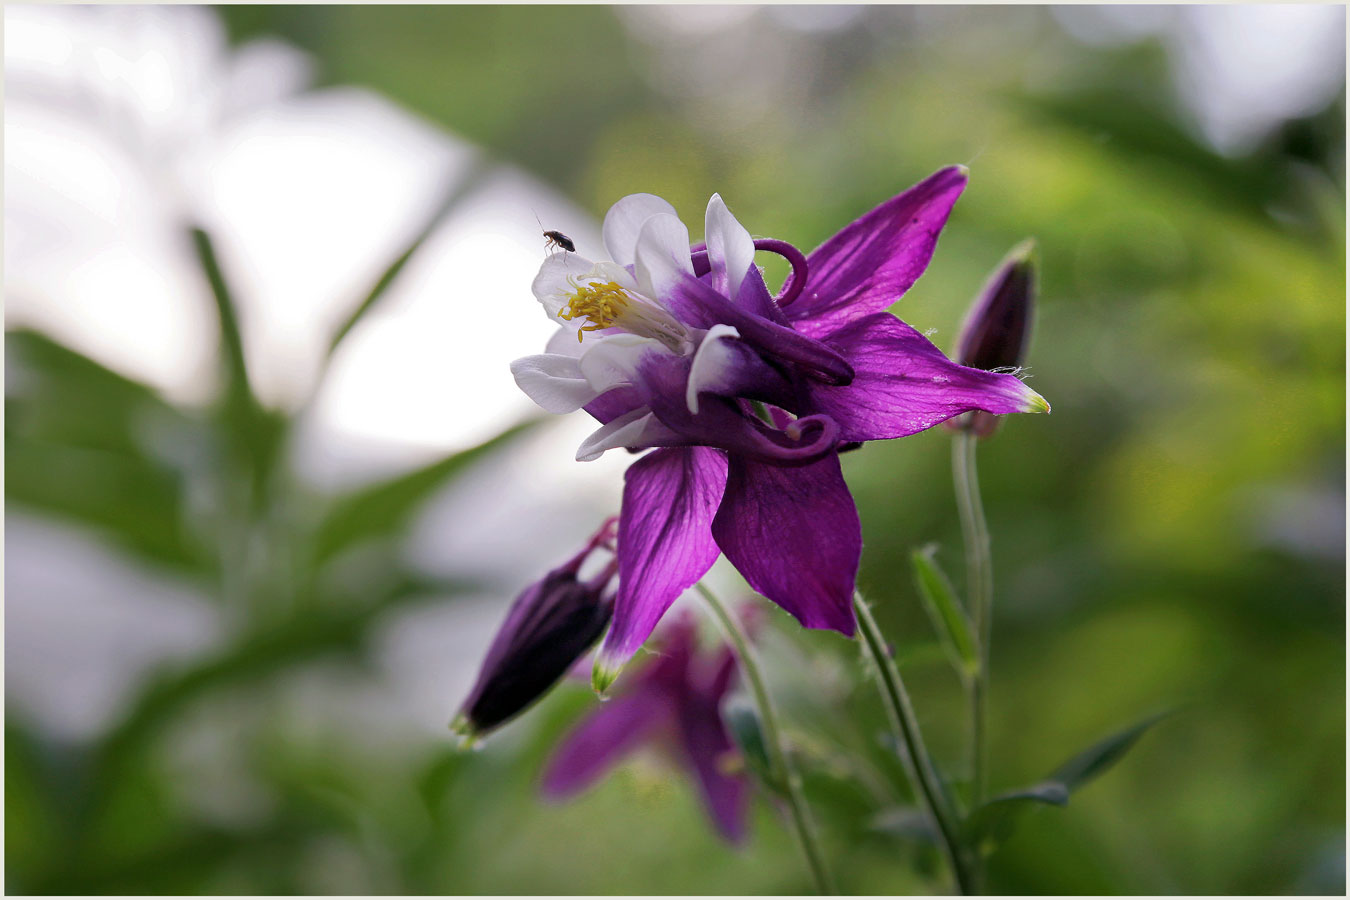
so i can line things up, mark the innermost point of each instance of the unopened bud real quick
(998, 327)
(549, 627)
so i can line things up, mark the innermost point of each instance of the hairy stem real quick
(918, 764)
(980, 592)
(788, 781)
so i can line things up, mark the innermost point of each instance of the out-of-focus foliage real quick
(1154, 538)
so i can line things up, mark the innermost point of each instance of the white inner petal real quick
(712, 361)
(628, 430)
(662, 256)
(623, 224)
(564, 342)
(553, 381)
(731, 249)
(613, 360)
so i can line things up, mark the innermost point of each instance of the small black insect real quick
(558, 239)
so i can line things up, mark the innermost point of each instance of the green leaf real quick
(387, 507)
(949, 619)
(478, 170)
(1104, 754)
(904, 822)
(254, 436)
(1132, 128)
(992, 823)
(331, 630)
(86, 444)
(238, 391)
(34, 789)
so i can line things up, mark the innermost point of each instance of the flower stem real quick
(914, 754)
(781, 769)
(980, 590)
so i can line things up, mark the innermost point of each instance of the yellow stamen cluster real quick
(602, 304)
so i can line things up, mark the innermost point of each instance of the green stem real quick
(980, 589)
(784, 774)
(914, 755)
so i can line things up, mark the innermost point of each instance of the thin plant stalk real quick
(980, 588)
(781, 770)
(918, 764)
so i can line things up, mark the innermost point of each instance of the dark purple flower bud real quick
(549, 627)
(998, 327)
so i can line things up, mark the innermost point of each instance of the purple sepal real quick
(794, 534)
(905, 385)
(677, 698)
(698, 305)
(599, 742)
(870, 264)
(707, 746)
(665, 540)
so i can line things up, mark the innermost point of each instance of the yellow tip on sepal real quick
(463, 729)
(1023, 252)
(603, 674)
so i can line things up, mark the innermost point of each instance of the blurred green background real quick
(1171, 537)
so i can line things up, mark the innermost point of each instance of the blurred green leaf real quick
(254, 435)
(457, 191)
(905, 822)
(1103, 755)
(387, 507)
(949, 619)
(182, 864)
(87, 444)
(62, 396)
(33, 813)
(318, 632)
(1138, 130)
(993, 822)
(524, 103)
(238, 390)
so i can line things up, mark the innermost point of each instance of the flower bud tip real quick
(603, 675)
(465, 730)
(1023, 252)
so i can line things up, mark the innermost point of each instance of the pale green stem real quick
(781, 769)
(980, 591)
(918, 764)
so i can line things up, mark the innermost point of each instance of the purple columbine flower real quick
(548, 628)
(747, 398)
(998, 327)
(674, 700)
